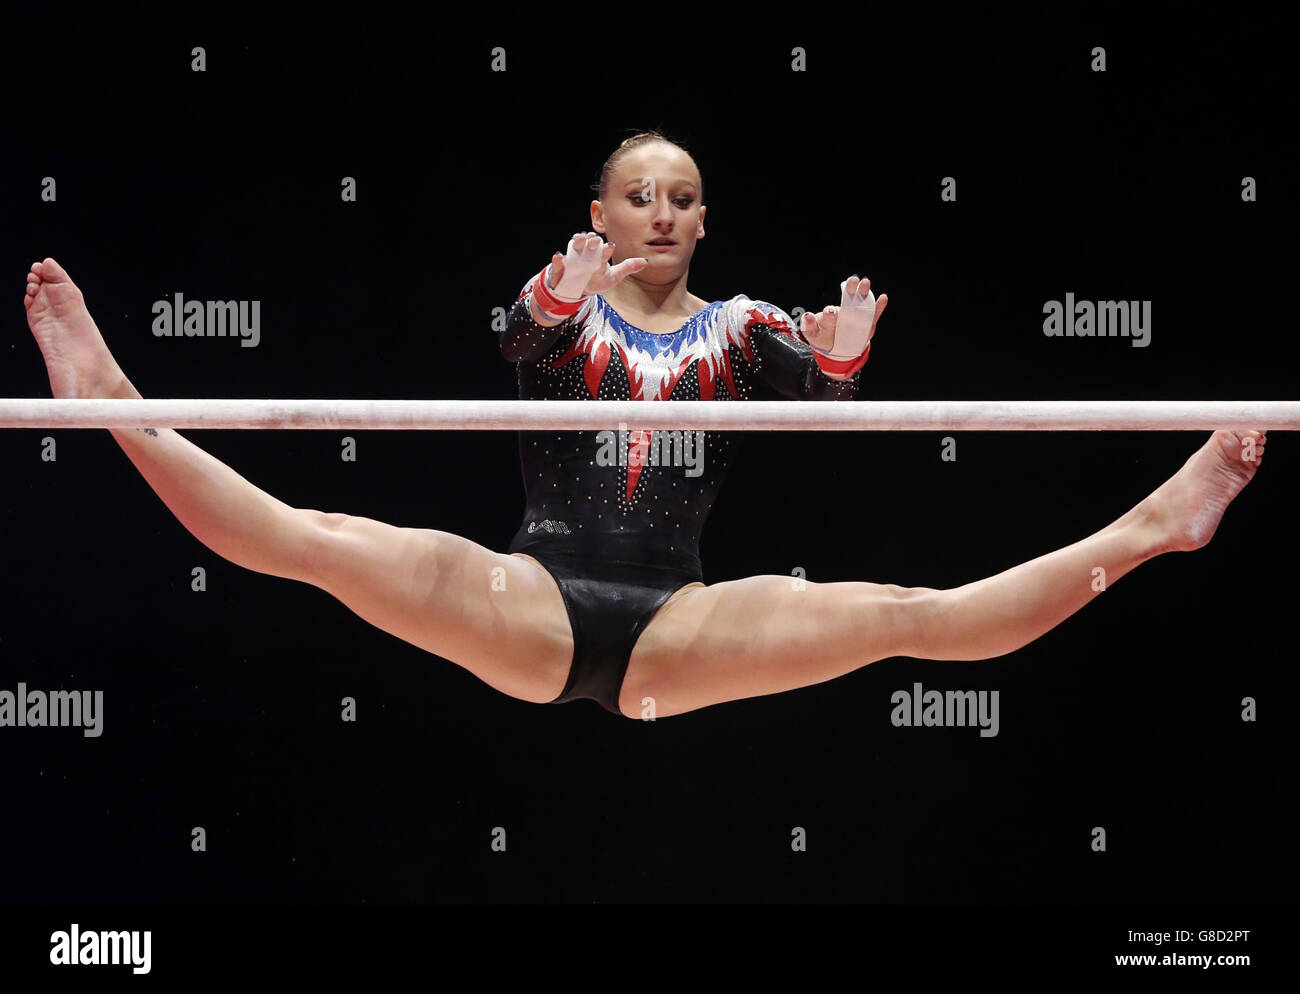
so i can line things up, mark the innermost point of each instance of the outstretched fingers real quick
(626, 268)
(881, 303)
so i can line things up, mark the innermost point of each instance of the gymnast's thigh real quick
(497, 615)
(768, 634)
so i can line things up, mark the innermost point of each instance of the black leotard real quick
(618, 530)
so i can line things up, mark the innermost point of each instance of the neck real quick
(651, 298)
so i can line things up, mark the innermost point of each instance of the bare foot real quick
(1189, 505)
(76, 358)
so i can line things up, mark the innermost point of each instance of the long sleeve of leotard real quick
(522, 339)
(788, 365)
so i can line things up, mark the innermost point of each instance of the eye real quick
(638, 201)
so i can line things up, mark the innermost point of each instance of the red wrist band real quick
(550, 303)
(842, 367)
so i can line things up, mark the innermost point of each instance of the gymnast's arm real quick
(789, 366)
(529, 332)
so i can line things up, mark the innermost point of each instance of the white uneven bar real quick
(557, 415)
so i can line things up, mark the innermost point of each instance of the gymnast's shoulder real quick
(743, 312)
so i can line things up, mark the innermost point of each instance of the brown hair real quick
(640, 138)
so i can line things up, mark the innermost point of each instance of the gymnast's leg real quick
(762, 635)
(499, 616)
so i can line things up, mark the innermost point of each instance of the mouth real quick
(662, 243)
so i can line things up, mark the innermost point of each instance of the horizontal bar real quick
(569, 415)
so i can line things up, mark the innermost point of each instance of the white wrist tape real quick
(853, 323)
(579, 268)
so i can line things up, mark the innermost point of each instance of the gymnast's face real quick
(654, 194)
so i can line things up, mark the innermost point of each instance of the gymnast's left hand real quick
(845, 331)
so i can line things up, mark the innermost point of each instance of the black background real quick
(222, 708)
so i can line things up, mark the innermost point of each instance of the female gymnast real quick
(600, 594)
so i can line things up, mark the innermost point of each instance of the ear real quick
(597, 217)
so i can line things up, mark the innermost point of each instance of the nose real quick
(663, 212)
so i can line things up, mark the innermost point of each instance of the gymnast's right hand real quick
(584, 269)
